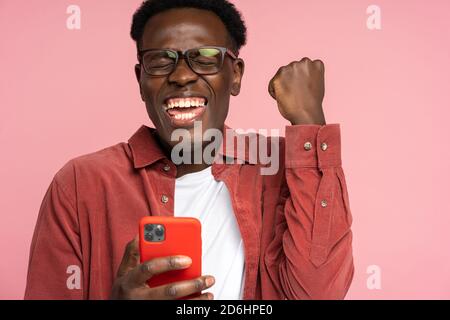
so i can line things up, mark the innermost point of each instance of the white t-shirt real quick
(200, 196)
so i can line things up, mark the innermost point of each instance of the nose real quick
(182, 74)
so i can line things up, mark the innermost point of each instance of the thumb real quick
(131, 257)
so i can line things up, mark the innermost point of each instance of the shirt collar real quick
(146, 149)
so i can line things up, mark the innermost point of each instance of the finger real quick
(130, 257)
(271, 89)
(140, 274)
(320, 64)
(305, 59)
(182, 289)
(205, 296)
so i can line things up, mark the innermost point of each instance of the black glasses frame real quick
(184, 54)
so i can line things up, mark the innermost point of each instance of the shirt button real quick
(323, 203)
(164, 199)
(166, 168)
(307, 146)
(324, 146)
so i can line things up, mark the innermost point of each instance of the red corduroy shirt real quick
(295, 224)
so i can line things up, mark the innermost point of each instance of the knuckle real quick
(199, 284)
(274, 80)
(292, 66)
(171, 290)
(319, 63)
(173, 262)
(280, 71)
(135, 255)
(146, 268)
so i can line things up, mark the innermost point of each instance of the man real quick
(278, 236)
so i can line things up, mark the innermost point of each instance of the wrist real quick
(318, 120)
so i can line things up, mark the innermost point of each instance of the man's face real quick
(182, 29)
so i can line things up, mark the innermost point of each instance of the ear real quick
(137, 71)
(238, 73)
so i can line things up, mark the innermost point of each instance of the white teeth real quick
(184, 103)
(185, 116)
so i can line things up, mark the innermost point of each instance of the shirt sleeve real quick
(55, 263)
(310, 256)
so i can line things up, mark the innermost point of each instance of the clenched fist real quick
(298, 89)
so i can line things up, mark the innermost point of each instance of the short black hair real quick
(225, 10)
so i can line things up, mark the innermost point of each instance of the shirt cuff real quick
(313, 145)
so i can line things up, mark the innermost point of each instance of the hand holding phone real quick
(132, 278)
(161, 236)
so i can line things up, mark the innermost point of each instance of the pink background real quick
(64, 93)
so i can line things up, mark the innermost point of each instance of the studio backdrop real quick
(67, 88)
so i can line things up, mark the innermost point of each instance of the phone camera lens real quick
(148, 235)
(159, 231)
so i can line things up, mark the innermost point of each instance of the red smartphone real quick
(169, 236)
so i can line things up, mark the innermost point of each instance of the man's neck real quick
(184, 169)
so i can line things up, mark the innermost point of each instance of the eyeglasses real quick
(202, 60)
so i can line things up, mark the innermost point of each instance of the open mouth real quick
(185, 111)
